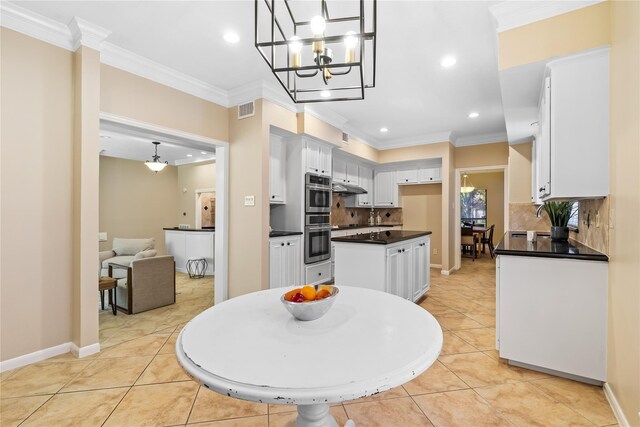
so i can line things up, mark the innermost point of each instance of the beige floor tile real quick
(170, 345)
(109, 373)
(288, 419)
(486, 319)
(389, 394)
(6, 374)
(41, 378)
(525, 405)
(456, 321)
(588, 400)
(478, 370)
(164, 368)
(212, 406)
(148, 345)
(390, 412)
(482, 338)
(86, 408)
(436, 378)
(14, 411)
(452, 344)
(259, 421)
(459, 408)
(435, 307)
(155, 405)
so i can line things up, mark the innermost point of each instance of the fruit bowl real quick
(311, 309)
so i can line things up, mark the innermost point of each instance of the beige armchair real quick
(124, 252)
(148, 283)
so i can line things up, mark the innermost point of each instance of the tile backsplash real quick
(342, 215)
(593, 228)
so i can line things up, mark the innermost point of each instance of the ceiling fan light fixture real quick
(156, 165)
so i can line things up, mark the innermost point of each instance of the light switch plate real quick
(102, 236)
(249, 200)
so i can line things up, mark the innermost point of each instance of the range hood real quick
(347, 189)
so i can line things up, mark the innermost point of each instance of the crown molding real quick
(367, 140)
(486, 138)
(37, 26)
(514, 14)
(432, 138)
(334, 119)
(86, 34)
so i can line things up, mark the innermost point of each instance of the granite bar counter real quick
(515, 243)
(276, 233)
(382, 238)
(207, 229)
(357, 226)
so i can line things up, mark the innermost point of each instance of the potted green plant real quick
(559, 214)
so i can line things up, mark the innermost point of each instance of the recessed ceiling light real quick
(384, 130)
(448, 61)
(189, 155)
(231, 37)
(473, 115)
(325, 94)
(203, 152)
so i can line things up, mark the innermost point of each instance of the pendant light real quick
(467, 186)
(156, 165)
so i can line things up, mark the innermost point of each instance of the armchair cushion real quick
(132, 246)
(117, 272)
(145, 254)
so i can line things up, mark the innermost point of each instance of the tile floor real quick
(139, 382)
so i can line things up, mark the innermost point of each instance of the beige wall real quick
(520, 173)
(36, 166)
(360, 149)
(624, 264)
(127, 95)
(135, 202)
(192, 177)
(422, 210)
(561, 35)
(482, 155)
(493, 182)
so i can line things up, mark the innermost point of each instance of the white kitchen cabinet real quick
(285, 261)
(429, 175)
(190, 244)
(420, 266)
(339, 171)
(385, 189)
(400, 271)
(409, 176)
(277, 167)
(552, 314)
(317, 273)
(365, 180)
(573, 150)
(401, 268)
(352, 173)
(317, 158)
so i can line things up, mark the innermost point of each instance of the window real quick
(575, 215)
(473, 207)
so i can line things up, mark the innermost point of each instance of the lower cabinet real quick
(285, 261)
(319, 272)
(408, 270)
(186, 245)
(421, 268)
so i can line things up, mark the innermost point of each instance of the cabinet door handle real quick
(406, 180)
(273, 197)
(319, 274)
(288, 243)
(282, 244)
(541, 189)
(399, 250)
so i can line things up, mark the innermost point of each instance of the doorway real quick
(205, 208)
(491, 186)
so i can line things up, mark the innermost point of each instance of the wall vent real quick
(345, 137)
(246, 110)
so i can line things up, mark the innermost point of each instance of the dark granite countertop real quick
(382, 238)
(211, 229)
(356, 226)
(275, 233)
(515, 243)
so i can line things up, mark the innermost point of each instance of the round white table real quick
(251, 348)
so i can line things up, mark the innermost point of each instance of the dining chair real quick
(468, 242)
(489, 241)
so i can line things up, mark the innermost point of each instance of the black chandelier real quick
(303, 54)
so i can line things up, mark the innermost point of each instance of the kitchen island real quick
(191, 243)
(551, 308)
(393, 261)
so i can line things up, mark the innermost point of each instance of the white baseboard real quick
(87, 350)
(436, 266)
(36, 356)
(447, 272)
(615, 406)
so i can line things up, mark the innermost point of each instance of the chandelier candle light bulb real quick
(295, 47)
(350, 42)
(318, 26)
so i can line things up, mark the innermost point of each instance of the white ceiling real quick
(415, 98)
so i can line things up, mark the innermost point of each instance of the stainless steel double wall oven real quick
(317, 230)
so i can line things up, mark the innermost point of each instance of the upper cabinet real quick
(277, 170)
(352, 173)
(365, 180)
(572, 143)
(339, 171)
(385, 189)
(318, 158)
(407, 176)
(418, 176)
(429, 175)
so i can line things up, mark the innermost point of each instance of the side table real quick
(108, 284)
(197, 267)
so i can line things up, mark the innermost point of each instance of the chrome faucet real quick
(539, 210)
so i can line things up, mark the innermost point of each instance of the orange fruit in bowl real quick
(309, 292)
(289, 295)
(326, 288)
(322, 294)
